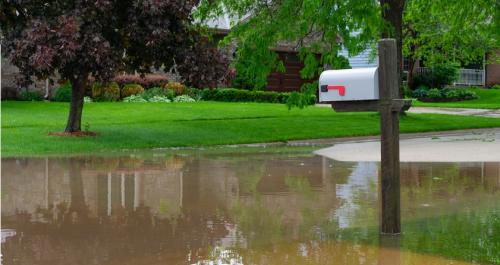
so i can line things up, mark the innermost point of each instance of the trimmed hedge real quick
(242, 95)
(443, 95)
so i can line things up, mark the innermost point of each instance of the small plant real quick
(496, 86)
(63, 93)
(159, 99)
(87, 127)
(184, 98)
(157, 91)
(420, 93)
(87, 99)
(177, 87)
(134, 98)
(434, 93)
(30, 96)
(131, 89)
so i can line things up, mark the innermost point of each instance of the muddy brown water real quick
(253, 207)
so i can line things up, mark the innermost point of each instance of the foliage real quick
(160, 99)
(131, 89)
(30, 96)
(110, 92)
(495, 87)
(437, 77)
(442, 32)
(146, 81)
(176, 87)
(313, 27)
(87, 100)
(134, 98)
(242, 95)
(194, 93)
(184, 98)
(443, 95)
(63, 93)
(157, 91)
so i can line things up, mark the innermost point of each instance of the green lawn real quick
(488, 99)
(120, 126)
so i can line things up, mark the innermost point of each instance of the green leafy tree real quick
(441, 32)
(422, 28)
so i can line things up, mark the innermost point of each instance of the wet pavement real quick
(233, 206)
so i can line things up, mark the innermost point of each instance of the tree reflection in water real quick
(241, 209)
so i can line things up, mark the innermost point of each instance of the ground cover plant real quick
(119, 125)
(487, 99)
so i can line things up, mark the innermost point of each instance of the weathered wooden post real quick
(389, 107)
(374, 89)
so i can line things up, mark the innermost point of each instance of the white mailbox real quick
(349, 85)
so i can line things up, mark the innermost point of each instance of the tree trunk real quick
(392, 13)
(76, 105)
(411, 68)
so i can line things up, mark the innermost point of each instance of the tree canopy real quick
(437, 31)
(82, 39)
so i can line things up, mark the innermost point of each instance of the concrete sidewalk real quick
(466, 147)
(457, 111)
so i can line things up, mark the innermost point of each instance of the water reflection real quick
(252, 208)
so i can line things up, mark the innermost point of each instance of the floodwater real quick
(257, 206)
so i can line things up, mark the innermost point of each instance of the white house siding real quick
(361, 60)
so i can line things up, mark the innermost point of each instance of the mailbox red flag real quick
(340, 88)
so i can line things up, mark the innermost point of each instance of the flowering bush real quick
(147, 81)
(184, 98)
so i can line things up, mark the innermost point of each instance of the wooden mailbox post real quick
(375, 90)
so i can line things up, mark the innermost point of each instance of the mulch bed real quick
(73, 134)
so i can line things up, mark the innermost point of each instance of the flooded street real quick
(258, 206)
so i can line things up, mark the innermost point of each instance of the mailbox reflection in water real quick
(349, 85)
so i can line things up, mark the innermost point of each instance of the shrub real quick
(184, 98)
(97, 90)
(147, 81)
(134, 98)
(495, 87)
(436, 77)
(63, 93)
(241, 95)
(466, 94)
(420, 93)
(177, 87)
(87, 99)
(194, 93)
(30, 96)
(434, 93)
(105, 92)
(157, 91)
(159, 99)
(131, 89)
